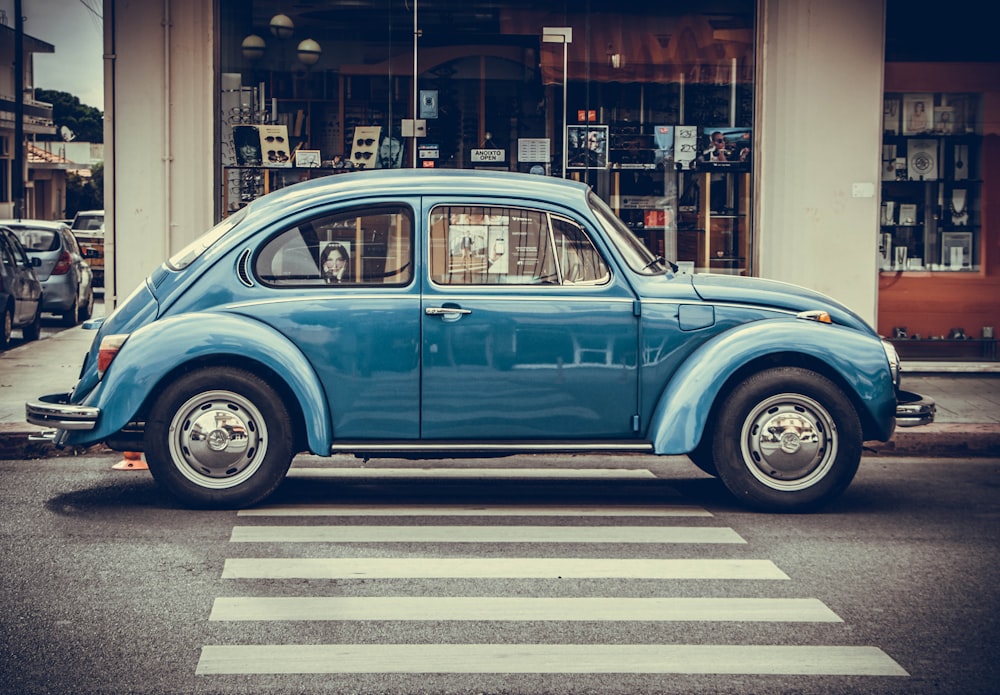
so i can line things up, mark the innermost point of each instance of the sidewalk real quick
(967, 396)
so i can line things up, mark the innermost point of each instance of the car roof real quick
(38, 224)
(90, 212)
(408, 182)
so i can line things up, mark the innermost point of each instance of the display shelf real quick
(930, 218)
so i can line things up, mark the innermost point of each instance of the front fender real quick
(682, 412)
(155, 350)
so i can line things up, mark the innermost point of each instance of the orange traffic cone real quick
(132, 462)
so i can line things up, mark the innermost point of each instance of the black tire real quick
(787, 440)
(71, 316)
(701, 456)
(87, 310)
(219, 438)
(33, 331)
(6, 328)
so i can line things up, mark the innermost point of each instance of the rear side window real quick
(369, 246)
(479, 245)
(37, 239)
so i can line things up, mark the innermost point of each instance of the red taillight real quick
(63, 265)
(110, 345)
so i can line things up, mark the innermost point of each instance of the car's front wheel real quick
(787, 439)
(219, 437)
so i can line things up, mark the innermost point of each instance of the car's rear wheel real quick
(6, 328)
(787, 439)
(71, 316)
(33, 330)
(219, 438)
(87, 310)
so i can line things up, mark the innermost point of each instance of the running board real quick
(489, 448)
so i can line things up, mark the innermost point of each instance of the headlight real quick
(893, 357)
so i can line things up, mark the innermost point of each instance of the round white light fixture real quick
(253, 47)
(282, 26)
(309, 52)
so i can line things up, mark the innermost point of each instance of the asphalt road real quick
(506, 579)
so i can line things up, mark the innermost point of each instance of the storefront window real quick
(939, 283)
(645, 93)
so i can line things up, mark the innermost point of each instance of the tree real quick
(85, 193)
(86, 122)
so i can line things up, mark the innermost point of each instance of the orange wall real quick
(931, 304)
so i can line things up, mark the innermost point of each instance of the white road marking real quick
(475, 473)
(484, 534)
(520, 608)
(549, 510)
(547, 658)
(497, 568)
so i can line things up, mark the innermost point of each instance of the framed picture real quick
(307, 158)
(918, 113)
(956, 250)
(587, 147)
(726, 148)
(890, 116)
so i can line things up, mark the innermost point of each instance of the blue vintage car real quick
(444, 313)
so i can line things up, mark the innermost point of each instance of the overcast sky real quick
(76, 32)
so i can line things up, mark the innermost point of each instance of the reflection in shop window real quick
(474, 245)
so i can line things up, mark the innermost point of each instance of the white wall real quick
(820, 65)
(158, 134)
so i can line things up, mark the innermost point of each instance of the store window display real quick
(491, 96)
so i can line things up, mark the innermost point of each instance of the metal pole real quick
(565, 133)
(416, 93)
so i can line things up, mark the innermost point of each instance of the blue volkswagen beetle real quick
(438, 313)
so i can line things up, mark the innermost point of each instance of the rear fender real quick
(154, 351)
(685, 405)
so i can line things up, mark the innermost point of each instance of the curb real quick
(943, 440)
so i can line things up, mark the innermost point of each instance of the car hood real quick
(771, 293)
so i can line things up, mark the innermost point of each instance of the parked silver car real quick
(66, 277)
(20, 291)
(88, 227)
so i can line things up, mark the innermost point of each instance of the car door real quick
(340, 285)
(527, 331)
(24, 286)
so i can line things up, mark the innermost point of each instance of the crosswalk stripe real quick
(233, 608)
(461, 510)
(483, 534)
(547, 658)
(475, 473)
(497, 568)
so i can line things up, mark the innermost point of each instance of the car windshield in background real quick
(633, 251)
(187, 255)
(88, 223)
(37, 239)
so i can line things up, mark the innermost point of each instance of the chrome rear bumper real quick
(55, 410)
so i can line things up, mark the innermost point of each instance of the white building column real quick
(820, 75)
(159, 143)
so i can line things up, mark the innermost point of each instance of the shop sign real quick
(533, 150)
(428, 151)
(490, 155)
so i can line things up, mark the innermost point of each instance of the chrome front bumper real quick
(913, 410)
(55, 410)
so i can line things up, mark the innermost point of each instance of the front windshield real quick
(183, 258)
(636, 254)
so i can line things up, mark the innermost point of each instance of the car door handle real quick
(449, 312)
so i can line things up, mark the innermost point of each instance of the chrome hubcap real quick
(218, 439)
(789, 442)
